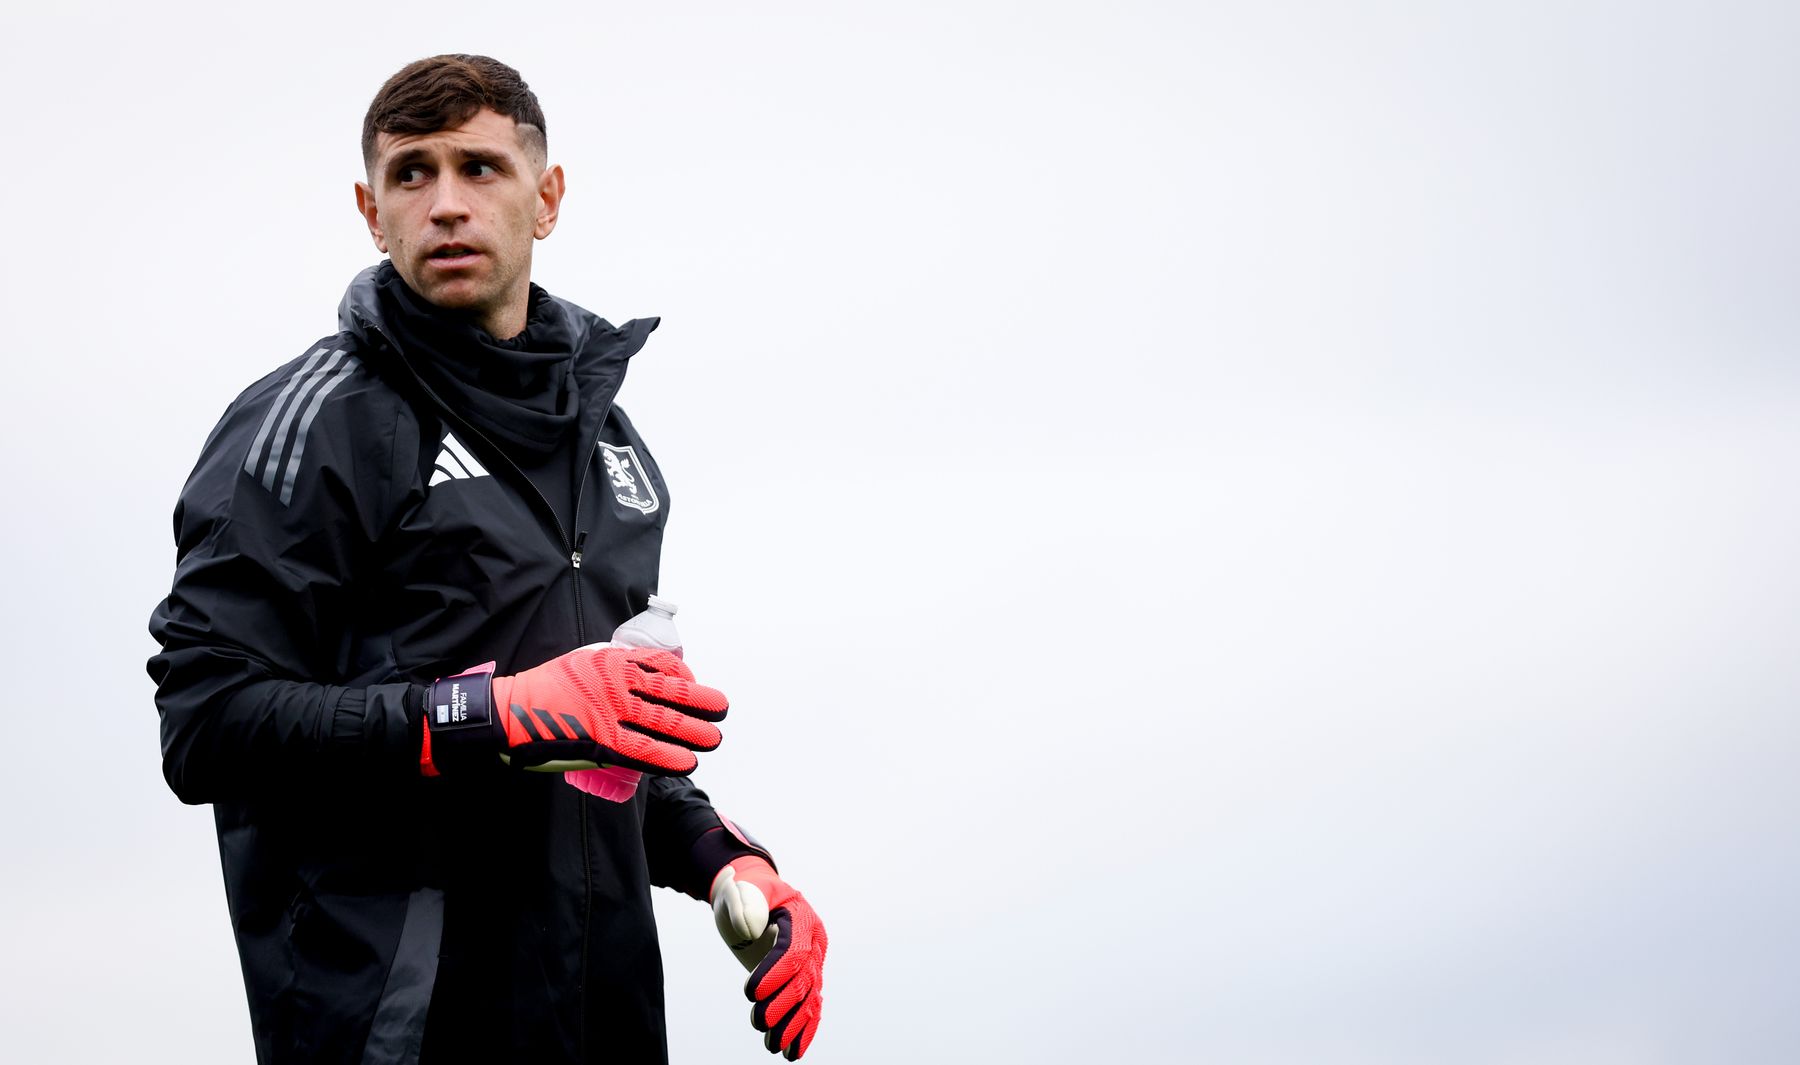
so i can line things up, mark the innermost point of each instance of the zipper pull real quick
(575, 556)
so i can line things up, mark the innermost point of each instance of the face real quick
(457, 210)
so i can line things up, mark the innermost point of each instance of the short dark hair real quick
(445, 91)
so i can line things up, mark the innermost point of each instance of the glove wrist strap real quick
(461, 728)
(716, 848)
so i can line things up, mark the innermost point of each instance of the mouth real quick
(449, 256)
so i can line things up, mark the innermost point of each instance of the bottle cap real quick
(659, 605)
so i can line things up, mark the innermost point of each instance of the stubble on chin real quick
(451, 293)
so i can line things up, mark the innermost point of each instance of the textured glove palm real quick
(628, 706)
(776, 935)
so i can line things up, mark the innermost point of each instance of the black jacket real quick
(344, 539)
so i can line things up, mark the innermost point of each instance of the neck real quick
(508, 320)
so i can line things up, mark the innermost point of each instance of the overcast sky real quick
(1235, 532)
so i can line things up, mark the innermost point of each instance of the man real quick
(435, 509)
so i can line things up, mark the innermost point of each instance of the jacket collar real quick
(603, 349)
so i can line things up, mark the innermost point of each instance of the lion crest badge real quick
(630, 482)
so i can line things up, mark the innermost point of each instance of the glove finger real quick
(635, 750)
(812, 1024)
(772, 1037)
(778, 1012)
(763, 979)
(671, 726)
(801, 1031)
(783, 1038)
(679, 693)
(790, 1041)
(657, 660)
(802, 992)
(799, 950)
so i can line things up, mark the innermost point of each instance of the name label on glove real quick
(463, 701)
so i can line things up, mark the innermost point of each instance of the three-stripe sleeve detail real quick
(275, 409)
(293, 466)
(299, 400)
(279, 447)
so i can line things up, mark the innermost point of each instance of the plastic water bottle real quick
(655, 627)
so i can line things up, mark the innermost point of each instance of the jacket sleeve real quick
(275, 531)
(687, 841)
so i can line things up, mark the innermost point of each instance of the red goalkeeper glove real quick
(776, 935)
(629, 706)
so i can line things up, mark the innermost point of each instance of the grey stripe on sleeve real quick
(262, 434)
(398, 1028)
(293, 466)
(273, 466)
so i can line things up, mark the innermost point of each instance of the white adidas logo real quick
(454, 462)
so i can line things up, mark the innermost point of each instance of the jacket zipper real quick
(575, 574)
(574, 550)
(587, 863)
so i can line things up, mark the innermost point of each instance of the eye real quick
(408, 175)
(481, 170)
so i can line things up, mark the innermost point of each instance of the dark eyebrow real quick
(478, 155)
(466, 155)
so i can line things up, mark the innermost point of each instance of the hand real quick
(776, 935)
(628, 706)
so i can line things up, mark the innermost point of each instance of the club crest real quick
(630, 483)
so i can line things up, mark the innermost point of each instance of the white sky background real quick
(1246, 532)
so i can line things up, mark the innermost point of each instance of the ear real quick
(365, 206)
(550, 194)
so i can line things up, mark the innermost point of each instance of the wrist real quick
(712, 851)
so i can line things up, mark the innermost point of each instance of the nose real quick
(449, 203)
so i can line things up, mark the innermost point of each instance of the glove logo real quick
(630, 484)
